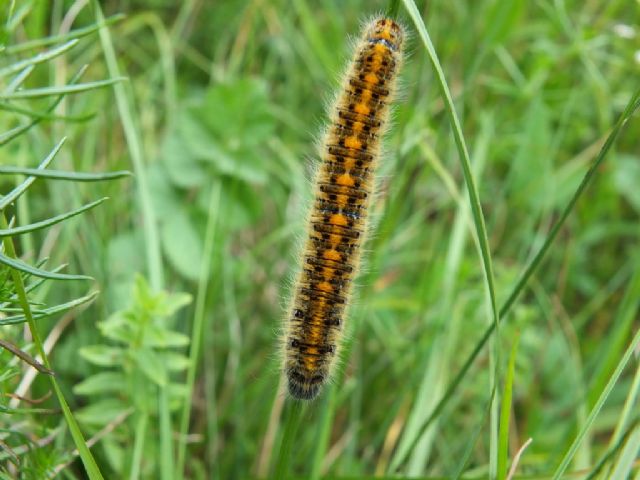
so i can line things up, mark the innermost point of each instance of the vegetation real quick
(154, 167)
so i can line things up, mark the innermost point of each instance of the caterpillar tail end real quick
(304, 387)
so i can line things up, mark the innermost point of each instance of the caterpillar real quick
(337, 222)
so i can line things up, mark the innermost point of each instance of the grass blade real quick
(39, 58)
(6, 137)
(631, 107)
(293, 414)
(150, 229)
(198, 322)
(473, 439)
(611, 451)
(628, 409)
(20, 189)
(564, 463)
(78, 33)
(619, 331)
(9, 232)
(505, 411)
(49, 312)
(19, 265)
(19, 79)
(59, 175)
(64, 90)
(628, 457)
(45, 116)
(474, 199)
(324, 434)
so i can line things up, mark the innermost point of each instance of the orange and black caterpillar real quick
(338, 219)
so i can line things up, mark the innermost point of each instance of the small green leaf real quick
(174, 302)
(142, 294)
(150, 363)
(160, 337)
(117, 328)
(175, 362)
(177, 394)
(101, 383)
(103, 355)
(101, 412)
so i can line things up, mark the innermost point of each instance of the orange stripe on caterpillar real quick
(338, 218)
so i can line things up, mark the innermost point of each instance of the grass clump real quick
(508, 204)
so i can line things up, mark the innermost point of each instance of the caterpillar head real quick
(387, 32)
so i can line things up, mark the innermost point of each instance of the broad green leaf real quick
(181, 167)
(167, 199)
(182, 245)
(627, 178)
(241, 205)
(124, 260)
(224, 128)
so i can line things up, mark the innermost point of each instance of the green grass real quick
(507, 214)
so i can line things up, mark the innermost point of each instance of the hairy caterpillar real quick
(338, 219)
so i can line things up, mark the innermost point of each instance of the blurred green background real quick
(222, 106)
